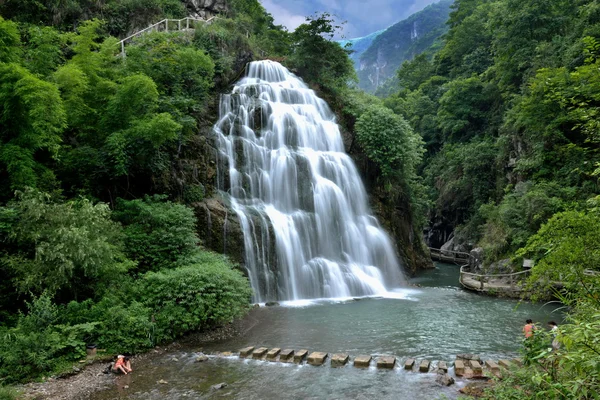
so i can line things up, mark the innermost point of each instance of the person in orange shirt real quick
(122, 365)
(528, 329)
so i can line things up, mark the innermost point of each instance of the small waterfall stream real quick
(308, 230)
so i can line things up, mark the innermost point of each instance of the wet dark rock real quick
(219, 386)
(444, 379)
(271, 303)
(468, 357)
(201, 358)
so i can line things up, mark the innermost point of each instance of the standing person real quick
(528, 329)
(554, 331)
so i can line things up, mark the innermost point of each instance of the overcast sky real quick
(362, 16)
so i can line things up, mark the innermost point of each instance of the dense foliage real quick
(98, 161)
(507, 109)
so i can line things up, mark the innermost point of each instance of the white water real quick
(308, 230)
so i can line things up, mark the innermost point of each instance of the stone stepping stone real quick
(424, 366)
(246, 352)
(442, 366)
(387, 362)
(300, 356)
(286, 355)
(259, 353)
(317, 358)
(517, 361)
(493, 368)
(459, 368)
(339, 360)
(409, 364)
(476, 367)
(468, 373)
(273, 353)
(505, 364)
(362, 361)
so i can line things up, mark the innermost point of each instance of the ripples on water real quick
(436, 321)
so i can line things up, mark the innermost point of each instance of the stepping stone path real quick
(386, 362)
(317, 358)
(272, 354)
(362, 361)
(339, 360)
(286, 355)
(300, 356)
(468, 366)
(259, 353)
(246, 352)
(442, 366)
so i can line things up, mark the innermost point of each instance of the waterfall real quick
(307, 229)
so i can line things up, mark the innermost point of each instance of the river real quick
(434, 319)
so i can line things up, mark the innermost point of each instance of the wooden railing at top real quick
(457, 257)
(483, 278)
(157, 27)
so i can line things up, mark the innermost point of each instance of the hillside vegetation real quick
(104, 161)
(508, 111)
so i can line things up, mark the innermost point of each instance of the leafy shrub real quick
(158, 234)
(198, 296)
(69, 247)
(8, 393)
(389, 141)
(37, 346)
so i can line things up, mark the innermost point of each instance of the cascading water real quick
(308, 232)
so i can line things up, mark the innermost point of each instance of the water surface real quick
(436, 320)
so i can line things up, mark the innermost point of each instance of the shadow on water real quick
(436, 321)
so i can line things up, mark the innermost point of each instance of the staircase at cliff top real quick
(308, 230)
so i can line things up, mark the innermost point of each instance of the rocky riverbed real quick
(88, 377)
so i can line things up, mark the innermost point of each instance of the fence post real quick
(166, 25)
(179, 24)
(123, 50)
(187, 23)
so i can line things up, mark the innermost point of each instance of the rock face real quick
(206, 8)
(219, 228)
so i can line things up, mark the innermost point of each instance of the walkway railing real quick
(483, 282)
(164, 26)
(456, 257)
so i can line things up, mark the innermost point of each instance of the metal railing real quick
(163, 26)
(485, 278)
(457, 257)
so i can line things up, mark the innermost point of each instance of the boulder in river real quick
(271, 303)
(444, 379)
(219, 386)
(201, 358)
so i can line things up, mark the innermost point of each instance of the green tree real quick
(158, 234)
(67, 248)
(313, 39)
(32, 119)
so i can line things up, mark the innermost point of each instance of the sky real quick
(363, 16)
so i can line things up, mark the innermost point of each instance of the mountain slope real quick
(360, 45)
(401, 42)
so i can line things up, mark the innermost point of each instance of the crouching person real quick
(122, 365)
